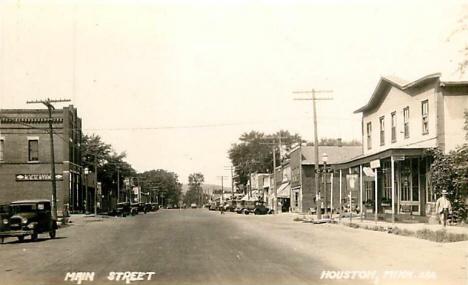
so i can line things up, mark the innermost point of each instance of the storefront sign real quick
(375, 163)
(37, 177)
(352, 182)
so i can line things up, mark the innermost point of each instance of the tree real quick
(100, 155)
(462, 28)
(163, 184)
(194, 194)
(254, 153)
(450, 172)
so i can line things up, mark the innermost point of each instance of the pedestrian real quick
(223, 208)
(443, 208)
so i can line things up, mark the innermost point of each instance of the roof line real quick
(392, 82)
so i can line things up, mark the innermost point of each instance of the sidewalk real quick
(80, 219)
(386, 225)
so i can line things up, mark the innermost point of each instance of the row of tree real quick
(112, 169)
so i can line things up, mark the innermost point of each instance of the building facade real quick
(25, 156)
(400, 123)
(304, 195)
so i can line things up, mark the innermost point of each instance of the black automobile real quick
(123, 209)
(28, 218)
(256, 207)
(136, 208)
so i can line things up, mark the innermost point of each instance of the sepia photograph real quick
(233, 142)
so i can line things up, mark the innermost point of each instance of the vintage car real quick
(123, 209)
(136, 208)
(239, 206)
(28, 218)
(256, 207)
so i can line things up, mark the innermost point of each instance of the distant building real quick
(303, 195)
(25, 156)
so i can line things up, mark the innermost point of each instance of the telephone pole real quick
(222, 186)
(48, 103)
(314, 99)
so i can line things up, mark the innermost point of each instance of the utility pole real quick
(48, 103)
(232, 179)
(222, 186)
(314, 99)
(118, 184)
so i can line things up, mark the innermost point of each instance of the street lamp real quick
(324, 160)
(86, 171)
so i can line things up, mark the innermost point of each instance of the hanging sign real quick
(375, 164)
(352, 182)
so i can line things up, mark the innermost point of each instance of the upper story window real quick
(393, 127)
(1, 149)
(382, 130)
(33, 150)
(369, 135)
(406, 122)
(425, 117)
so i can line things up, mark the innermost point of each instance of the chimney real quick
(340, 143)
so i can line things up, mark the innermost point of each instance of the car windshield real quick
(4, 209)
(23, 208)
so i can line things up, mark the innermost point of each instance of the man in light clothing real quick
(443, 207)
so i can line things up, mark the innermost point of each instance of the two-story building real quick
(304, 195)
(401, 121)
(25, 156)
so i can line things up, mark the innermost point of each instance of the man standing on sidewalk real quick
(443, 207)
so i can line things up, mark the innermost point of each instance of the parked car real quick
(154, 206)
(149, 207)
(193, 205)
(136, 208)
(122, 209)
(28, 218)
(213, 206)
(239, 207)
(256, 207)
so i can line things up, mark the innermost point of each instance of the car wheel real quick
(52, 234)
(246, 212)
(34, 237)
(21, 238)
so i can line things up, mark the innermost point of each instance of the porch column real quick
(375, 198)
(341, 207)
(331, 195)
(393, 189)
(360, 191)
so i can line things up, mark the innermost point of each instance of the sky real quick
(174, 85)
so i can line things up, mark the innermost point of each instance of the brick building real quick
(25, 156)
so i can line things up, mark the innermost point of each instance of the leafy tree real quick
(96, 153)
(462, 29)
(194, 194)
(161, 183)
(450, 172)
(254, 152)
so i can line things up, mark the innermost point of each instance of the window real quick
(369, 135)
(393, 127)
(33, 146)
(425, 117)
(406, 121)
(1, 149)
(382, 130)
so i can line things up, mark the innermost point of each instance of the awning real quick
(284, 191)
